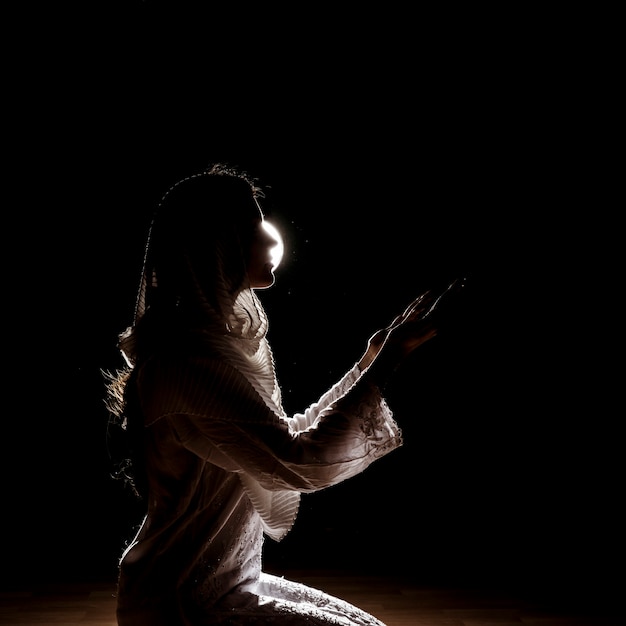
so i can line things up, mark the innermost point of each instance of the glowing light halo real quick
(278, 250)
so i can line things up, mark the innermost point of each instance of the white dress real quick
(224, 470)
(225, 465)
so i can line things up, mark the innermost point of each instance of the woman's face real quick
(264, 252)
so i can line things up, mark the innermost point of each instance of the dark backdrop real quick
(393, 168)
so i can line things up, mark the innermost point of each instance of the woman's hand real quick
(388, 347)
(404, 338)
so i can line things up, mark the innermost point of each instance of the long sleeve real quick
(216, 414)
(301, 421)
(211, 410)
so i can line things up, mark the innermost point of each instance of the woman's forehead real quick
(259, 208)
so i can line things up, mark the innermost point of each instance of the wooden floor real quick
(397, 602)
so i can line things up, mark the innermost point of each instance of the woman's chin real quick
(264, 281)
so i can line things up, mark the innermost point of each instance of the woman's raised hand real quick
(417, 324)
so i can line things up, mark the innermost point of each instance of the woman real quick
(219, 463)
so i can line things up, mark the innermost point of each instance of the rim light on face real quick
(278, 250)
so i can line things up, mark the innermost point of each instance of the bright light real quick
(278, 250)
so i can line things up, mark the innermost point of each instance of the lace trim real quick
(376, 418)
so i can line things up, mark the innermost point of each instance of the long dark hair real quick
(123, 440)
(193, 237)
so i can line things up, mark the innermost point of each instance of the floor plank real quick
(396, 601)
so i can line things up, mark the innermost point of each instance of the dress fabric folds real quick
(225, 466)
(225, 470)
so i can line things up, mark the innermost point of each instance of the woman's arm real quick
(217, 415)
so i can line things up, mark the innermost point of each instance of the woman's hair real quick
(193, 285)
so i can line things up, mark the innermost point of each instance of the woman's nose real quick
(274, 241)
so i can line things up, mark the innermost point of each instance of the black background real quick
(401, 151)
